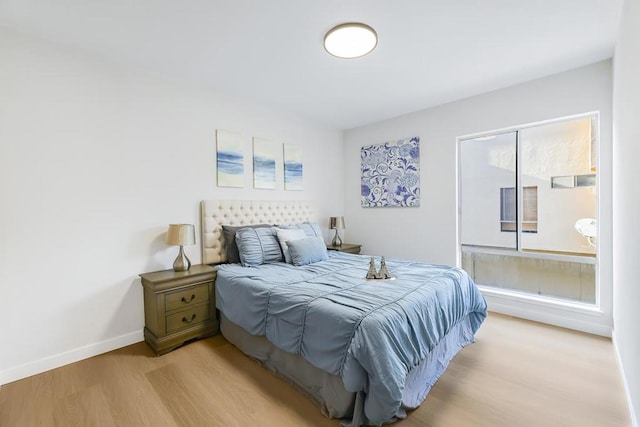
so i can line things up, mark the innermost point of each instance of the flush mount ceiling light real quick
(350, 40)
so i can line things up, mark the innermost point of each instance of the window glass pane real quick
(550, 213)
(488, 207)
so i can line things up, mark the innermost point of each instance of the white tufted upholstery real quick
(215, 213)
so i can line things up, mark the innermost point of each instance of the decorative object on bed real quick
(292, 167)
(384, 272)
(264, 163)
(230, 159)
(181, 235)
(390, 174)
(381, 274)
(363, 350)
(336, 223)
(372, 274)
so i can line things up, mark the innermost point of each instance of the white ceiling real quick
(270, 52)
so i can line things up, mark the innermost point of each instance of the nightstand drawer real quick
(187, 298)
(185, 318)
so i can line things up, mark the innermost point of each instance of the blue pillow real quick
(231, 247)
(307, 251)
(258, 246)
(311, 229)
(285, 235)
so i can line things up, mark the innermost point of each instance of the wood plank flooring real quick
(518, 373)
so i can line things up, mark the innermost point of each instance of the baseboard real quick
(55, 361)
(634, 418)
(590, 322)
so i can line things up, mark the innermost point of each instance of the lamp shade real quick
(181, 234)
(336, 223)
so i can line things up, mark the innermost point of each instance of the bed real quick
(365, 351)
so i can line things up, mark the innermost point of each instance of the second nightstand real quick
(346, 247)
(179, 306)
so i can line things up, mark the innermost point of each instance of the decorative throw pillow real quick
(229, 233)
(285, 236)
(311, 229)
(307, 251)
(258, 246)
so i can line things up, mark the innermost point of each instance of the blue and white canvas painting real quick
(264, 163)
(293, 167)
(230, 159)
(390, 174)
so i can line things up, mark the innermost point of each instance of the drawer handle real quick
(184, 300)
(185, 320)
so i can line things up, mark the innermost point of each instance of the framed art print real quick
(390, 174)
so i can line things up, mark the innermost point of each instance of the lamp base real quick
(337, 241)
(181, 263)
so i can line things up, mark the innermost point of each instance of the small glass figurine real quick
(383, 273)
(371, 274)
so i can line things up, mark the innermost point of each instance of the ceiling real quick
(270, 52)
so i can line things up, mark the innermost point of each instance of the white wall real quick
(429, 233)
(626, 200)
(95, 162)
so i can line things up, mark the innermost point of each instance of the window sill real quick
(543, 300)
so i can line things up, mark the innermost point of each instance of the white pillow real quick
(286, 235)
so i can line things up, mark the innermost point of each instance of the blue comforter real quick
(370, 332)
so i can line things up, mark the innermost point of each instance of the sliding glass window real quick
(528, 209)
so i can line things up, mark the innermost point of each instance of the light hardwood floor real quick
(518, 373)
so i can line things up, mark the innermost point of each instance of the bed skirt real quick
(327, 391)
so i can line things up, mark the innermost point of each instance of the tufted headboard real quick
(215, 213)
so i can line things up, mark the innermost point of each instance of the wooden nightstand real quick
(346, 247)
(179, 306)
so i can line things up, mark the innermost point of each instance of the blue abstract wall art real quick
(390, 174)
(292, 167)
(264, 163)
(230, 159)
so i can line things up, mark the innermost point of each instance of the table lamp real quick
(336, 223)
(180, 235)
